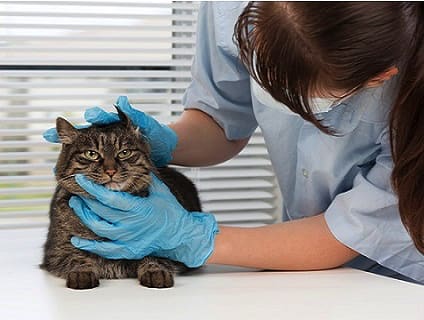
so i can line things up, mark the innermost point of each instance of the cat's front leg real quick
(82, 280)
(155, 273)
(79, 270)
(84, 274)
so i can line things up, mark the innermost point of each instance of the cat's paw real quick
(82, 280)
(154, 276)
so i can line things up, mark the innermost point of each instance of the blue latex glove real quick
(156, 225)
(162, 139)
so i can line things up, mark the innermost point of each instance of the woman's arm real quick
(305, 244)
(201, 141)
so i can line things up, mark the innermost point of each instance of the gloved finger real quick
(97, 115)
(51, 135)
(123, 104)
(105, 212)
(113, 199)
(107, 249)
(99, 226)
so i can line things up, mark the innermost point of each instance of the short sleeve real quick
(366, 219)
(220, 83)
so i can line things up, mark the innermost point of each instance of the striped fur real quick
(82, 270)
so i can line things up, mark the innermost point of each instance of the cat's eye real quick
(91, 155)
(124, 154)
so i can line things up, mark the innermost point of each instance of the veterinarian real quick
(338, 92)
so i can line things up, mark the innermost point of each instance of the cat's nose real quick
(110, 172)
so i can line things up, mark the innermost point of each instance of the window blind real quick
(59, 57)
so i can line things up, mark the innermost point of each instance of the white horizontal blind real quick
(59, 57)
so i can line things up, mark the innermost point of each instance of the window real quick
(58, 58)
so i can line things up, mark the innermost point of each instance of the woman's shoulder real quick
(222, 17)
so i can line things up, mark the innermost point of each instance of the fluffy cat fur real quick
(118, 157)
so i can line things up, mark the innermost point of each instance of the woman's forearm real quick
(305, 244)
(201, 141)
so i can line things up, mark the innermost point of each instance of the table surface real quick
(211, 293)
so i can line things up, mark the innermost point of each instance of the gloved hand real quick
(156, 225)
(162, 139)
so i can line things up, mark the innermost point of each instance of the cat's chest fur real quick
(64, 220)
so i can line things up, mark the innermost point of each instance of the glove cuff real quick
(199, 241)
(203, 241)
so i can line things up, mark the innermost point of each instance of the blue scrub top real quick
(345, 176)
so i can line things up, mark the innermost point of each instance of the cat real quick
(116, 156)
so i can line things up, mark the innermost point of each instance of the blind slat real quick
(110, 96)
(114, 39)
(231, 195)
(229, 217)
(92, 15)
(242, 206)
(42, 24)
(22, 214)
(90, 84)
(103, 3)
(58, 73)
(85, 62)
(23, 50)
(26, 190)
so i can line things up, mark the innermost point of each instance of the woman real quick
(337, 89)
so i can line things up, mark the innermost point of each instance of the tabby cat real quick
(118, 157)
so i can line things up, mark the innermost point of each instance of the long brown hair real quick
(297, 49)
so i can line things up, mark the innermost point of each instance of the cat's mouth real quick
(115, 186)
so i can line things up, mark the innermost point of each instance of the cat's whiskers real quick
(144, 178)
(135, 183)
(63, 179)
(132, 186)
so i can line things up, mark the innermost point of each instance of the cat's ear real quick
(123, 117)
(66, 131)
(127, 121)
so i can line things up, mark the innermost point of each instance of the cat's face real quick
(116, 156)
